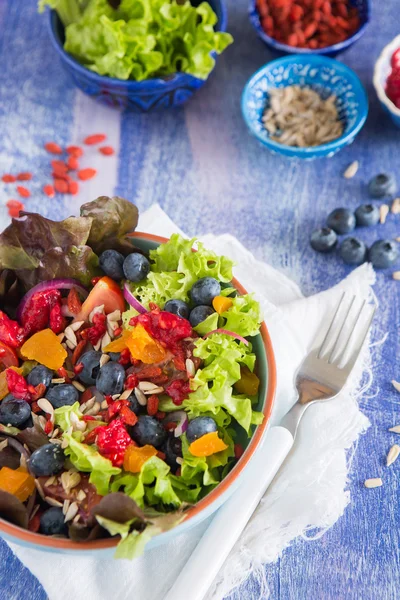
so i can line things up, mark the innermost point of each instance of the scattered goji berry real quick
(77, 354)
(160, 415)
(40, 390)
(97, 138)
(161, 455)
(152, 405)
(76, 151)
(23, 191)
(34, 523)
(170, 426)
(26, 176)
(73, 187)
(48, 428)
(73, 301)
(178, 472)
(73, 163)
(238, 450)
(107, 150)
(59, 175)
(14, 207)
(62, 372)
(35, 408)
(86, 395)
(7, 178)
(49, 190)
(61, 186)
(53, 148)
(59, 166)
(85, 174)
(78, 368)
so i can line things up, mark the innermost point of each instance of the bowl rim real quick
(388, 50)
(336, 48)
(323, 149)
(156, 82)
(50, 543)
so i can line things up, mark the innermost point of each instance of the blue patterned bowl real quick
(139, 96)
(364, 10)
(324, 75)
(381, 72)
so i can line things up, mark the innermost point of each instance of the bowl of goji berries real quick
(324, 27)
(387, 79)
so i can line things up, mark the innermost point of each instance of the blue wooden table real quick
(208, 174)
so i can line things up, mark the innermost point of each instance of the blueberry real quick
(110, 379)
(111, 262)
(40, 374)
(134, 404)
(52, 522)
(91, 367)
(177, 307)
(46, 460)
(13, 411)
(383, 254)
(353, 251)
(148, 431)
(200, 426)
(136, 267)
(341, 220)
(63, 394)
(382, 185)
(323, 240)
(173, 450)
(367, 215)
(205, 290)
(200, 314)
(115, 356)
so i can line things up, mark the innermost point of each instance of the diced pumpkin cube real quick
(135, 457)
(248, 383)
(221, 304)
(207, 445)
(45, 347)
(19, 483)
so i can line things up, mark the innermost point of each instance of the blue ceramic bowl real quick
(139, 96)
(381, 72)
(364, 10)
(324, 75)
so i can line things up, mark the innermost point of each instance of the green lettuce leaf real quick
(244, 317)
(69, 11)
(62, 415)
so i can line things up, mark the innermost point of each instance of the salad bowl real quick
(266, 372)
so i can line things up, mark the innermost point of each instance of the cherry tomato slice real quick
(107, 292)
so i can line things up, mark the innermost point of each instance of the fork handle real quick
(226, 527)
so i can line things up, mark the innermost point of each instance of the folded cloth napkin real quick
(308, 492)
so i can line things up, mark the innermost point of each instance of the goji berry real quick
(61, 186)
(178, 472)
(53, 148)
(97, 138)
(76, 151)
(34, 523)
(62, 372)
(128, 416)
(7, 178)
(73, 187)
(35, 408)
(49, 190)
(238, 450)
(152, 405)
(40, 390)
(73, 301)
(59, 166)
(170, 426)
(24, 176)
(48, 428)
(78, 368)
(23, 191)
(14, 207)
(85, 174)
(160, 415)
(87, 418)
(86, 395)
(161, 455)
(77, 354)
(107, 150)
(72, 163)
(296, 12)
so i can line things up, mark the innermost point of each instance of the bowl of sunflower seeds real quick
(305, 106)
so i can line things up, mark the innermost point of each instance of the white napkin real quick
(309, 491)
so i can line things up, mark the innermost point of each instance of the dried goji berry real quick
(238, 450)
(76, 151)
(59, 175)
(14, 207)
(7, 178)
(73, 163)
(61, 186)
(152, 405)
(34, 523)
(23, 191)
(128, 416)
(40, 390)
(161, 455)
(53, 148)
(170, 426)
(178, 472)
(78, 368)
(73, 187)
(107, 150)
(76, 355)
(59, 166)
(97, 138)
(49, 190)
(62, 372)
(24, 176)
(35, 408)
(160, 415)
(296, 12)
(73, 301)
(85, 174)
(48, 428)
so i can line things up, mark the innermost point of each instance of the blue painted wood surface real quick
(205, 170)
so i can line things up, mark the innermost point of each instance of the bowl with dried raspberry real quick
(324, 27)
(387, 79)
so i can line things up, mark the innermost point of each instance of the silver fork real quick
(321, 376)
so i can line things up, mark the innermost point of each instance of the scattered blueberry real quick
(52, 522)
(13, 411)
(205, 290)
(341, 220)
(63, 394)
(177, 307)
(323, 240)
(383, 254)
(382, 185)
(46, 460)
(40, 374)
(115, 356)
(91, 367)
(148, 431)
(353, 251)
(200, 426)
(173, 450)
(110, 379)
(134, 404)
(136, 267)
(200, 314)
(367, 215)
(111, 262)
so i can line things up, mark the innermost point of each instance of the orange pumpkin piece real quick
(143, 347)
(207, 445)
(19, 483)
(3, 381)
(134, 457)
(45, 347)
(248, 383)
(221, 304)
(120, 343)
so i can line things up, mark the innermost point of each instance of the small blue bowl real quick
(139, 96)
(326, 76)
(381, 72)
(364, 10)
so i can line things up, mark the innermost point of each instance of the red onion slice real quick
(52, 284)
(179, 417)
(130, 298)
(230, 333)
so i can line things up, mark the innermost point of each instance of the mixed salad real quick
(141, 39)
(125, 376)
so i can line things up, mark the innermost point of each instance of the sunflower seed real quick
(3, 445)
(58, 380)
(66, 506)
(76, 519)
(78, 386)
(95, 311)
(395, 429)
(126, 394)
(351, 170)
(104, 359)
(80, 495)
(115, 396)
(146, 386)
(156, 390)
(114, 316)
(88, 405)
(34, 511)
(383, 211)
(396, 275)
(70, 345)
(97, 346)
(179, 460)
(77, 425)
(42, 421)
(392, 455)
(396, 385)
(39, 489)
(64, 345)
(77, 325)
(51, 481)
(92, 412)
(45, 405)
(53, 501)
(71, 512)
(64, 444)
(57, 442)
(396, 206)
(56, 432)
(190, 367)
(105, 340)
(373, 483)
(140, 397)
(104, 405)
(70, 335)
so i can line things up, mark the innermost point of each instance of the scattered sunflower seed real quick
(114, 316)
(78, 386)
(396, 275)
(77, 325)
(179, 460)
(125, 394)
(88, 404)
(145, 386)
(190, 367)
(396, 206)
(140, 397)
(97, 346)
(39, 489)
(71, 512)
(92, 412)
(53, 501)
(395, 429)
(45, 405)
(58, 380)
(104, 405)
(104, 359)
(396, 385)
(61, 336)
(23, 463)
(70, 335)
(392, 455)
(156, 390)
(51, 481)
(95, 311)
(3, 445)
(383, 211)
(76, 519)
(81, 495)
(70, 345)
(373, 483)
(64, 345)
(66, 506)
(115, 396)
(351, 170)
(105, 340)
(42, 421)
